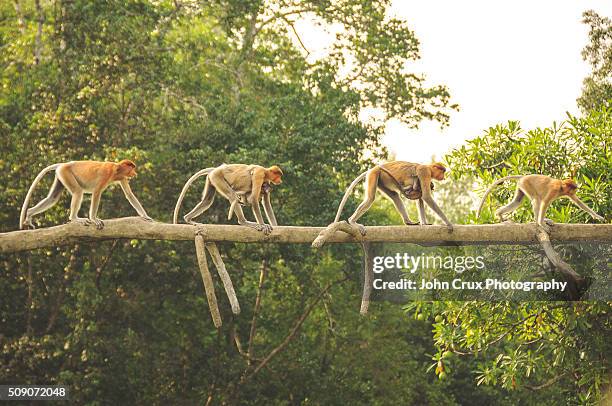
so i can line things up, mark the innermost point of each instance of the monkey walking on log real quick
(241, 185)
(80, 177)
(394, 179)
(542, 190)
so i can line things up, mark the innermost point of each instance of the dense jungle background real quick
(182, 85)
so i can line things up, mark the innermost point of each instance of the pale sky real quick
(516, 60)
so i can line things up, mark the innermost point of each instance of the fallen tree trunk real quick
(136, 228)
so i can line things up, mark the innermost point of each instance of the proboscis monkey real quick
(394, 179)
(241, 185)
(542, 190)
(80, 177)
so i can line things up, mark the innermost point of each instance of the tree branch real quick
(574, 280)
(294, 330)
(137, 228)
(262, 278)
(290, 23)
(547, 383)
(38, 38)
(72, 264)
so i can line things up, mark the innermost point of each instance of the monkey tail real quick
(26, 202)
(497, 182)
(348, 192)
(182, 195)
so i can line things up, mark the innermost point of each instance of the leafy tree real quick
(597, 88)
(535, 345)
(177, 86)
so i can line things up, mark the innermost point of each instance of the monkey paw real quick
(549, 222)
(266, 228)
(411, 223)
(27, 224)
(82, 221)
(147, 218)
(450, 227)
(99, 223)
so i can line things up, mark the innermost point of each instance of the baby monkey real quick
(80, 177)
(542, 190)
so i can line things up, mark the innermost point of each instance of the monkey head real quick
(127, 168)
(437, 171)
(274, 174)
(568, 186)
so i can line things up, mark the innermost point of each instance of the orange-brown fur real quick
(80, 177)
(240, 184)
(392, 179)
(542, 190)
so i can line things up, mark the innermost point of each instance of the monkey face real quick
(128, 168)
(276, 179)
(437, 171)
(569, 187)
(275, 173)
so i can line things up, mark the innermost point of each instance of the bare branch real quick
(290, 23)
(547, 383)
(296, 327)
(137, 228)
(262, 277)
(209, 287)
(574, 280)
(19, 13)
(72, 264)
(38, 39)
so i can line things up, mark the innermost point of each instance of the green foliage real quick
(578, 148)
(182, 85)
(597, 88)
(178, 86)
(534, 345)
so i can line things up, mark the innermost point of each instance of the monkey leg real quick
(225, 189)
(519, 195)
(208, 197)
(371, 185)
(70, 182)
(52, 198)
(217, 180)
(422, 216)
(399, 205)
(541, 212)
(266, 228)
(93, 209)
(75, 206)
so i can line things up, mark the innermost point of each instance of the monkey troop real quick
(80, 177)
(252, 184)
(393, 179)
(241, 185)
(542, 190)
